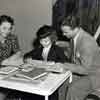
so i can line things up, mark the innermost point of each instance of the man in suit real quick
(85, 60)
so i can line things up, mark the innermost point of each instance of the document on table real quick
(8, 69)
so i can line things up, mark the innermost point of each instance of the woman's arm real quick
(15, 59)
(16, 54)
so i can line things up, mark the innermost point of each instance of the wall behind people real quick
(29, 15)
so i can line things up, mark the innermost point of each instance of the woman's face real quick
(5, 28)
(45, 42)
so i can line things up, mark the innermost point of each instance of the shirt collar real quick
(76, 37)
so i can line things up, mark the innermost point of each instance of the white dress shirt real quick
(45, 52)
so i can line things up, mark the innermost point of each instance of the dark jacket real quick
(56, 54)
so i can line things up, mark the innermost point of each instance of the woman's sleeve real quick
(15, 45)
(28, 55)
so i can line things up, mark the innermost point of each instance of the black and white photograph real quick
(49, 49)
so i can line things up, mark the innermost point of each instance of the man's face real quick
(5, 28)
(68, 31)
(45, 42)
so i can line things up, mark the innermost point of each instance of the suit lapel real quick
(77, 49)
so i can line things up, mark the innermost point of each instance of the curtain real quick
(89, 13)
(87, 10)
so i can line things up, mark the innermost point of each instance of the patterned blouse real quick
(9, 47)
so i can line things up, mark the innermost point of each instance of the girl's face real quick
(45, 42)
(5, 28)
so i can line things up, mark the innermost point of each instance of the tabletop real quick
(44, 86)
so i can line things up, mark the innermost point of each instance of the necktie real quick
(72, 51)
(75, 57)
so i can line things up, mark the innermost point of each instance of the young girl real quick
(46, 50)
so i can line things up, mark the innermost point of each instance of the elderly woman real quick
(9, 47)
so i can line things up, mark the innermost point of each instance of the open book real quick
(32, 73)
(8, 69)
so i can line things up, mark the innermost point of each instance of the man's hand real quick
(57, 67)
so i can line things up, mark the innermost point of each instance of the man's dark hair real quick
(72, 21)
(5, 18)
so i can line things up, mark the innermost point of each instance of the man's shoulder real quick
(86, 37)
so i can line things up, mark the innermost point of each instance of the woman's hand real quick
(16, 56)
(5, 62)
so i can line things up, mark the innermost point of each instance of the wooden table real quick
(45, 88)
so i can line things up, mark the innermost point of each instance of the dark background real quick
(87, 10)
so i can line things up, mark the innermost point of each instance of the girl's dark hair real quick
(5, 18)
(46, 31)
(72, 21)
(43, 32)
